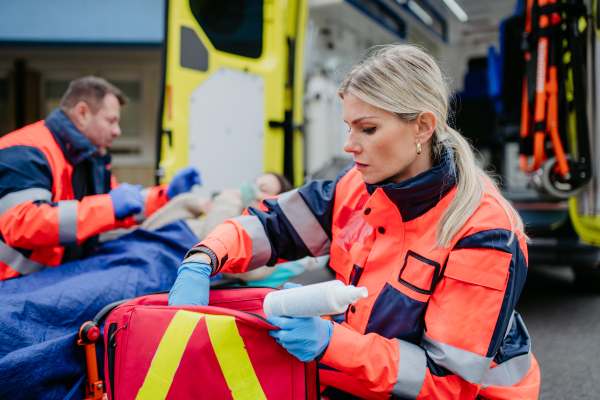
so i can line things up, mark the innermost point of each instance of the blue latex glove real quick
(183, 180)
(126, 200)
(304, 338)
(290, 285)
(192, 284)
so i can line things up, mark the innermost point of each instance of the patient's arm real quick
(227, 205)
(183, 206)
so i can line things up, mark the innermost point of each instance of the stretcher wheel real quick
(550, 182)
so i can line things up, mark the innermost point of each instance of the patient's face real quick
(268, 186)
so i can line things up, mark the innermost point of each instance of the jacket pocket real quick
(399, 309)
(419, 273)
(465, 310)
(481, 267)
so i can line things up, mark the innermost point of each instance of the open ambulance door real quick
(233, 90)
(584, 209)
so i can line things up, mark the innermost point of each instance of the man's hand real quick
(183, 180)
(126, 200)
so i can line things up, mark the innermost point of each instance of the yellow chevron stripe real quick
(227, 345)
(233, 358)
(168, 355)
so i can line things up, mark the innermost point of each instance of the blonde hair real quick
(406, 81)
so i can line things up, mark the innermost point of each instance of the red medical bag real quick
(220, 351)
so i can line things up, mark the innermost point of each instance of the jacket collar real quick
(417, 195)
(75, 146)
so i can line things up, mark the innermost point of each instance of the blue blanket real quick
(40, 314)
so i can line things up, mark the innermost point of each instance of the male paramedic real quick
(57, 192)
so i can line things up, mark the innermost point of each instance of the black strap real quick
(102, 314)
(526, 146)
(540, 126)
(552, 8)
(559, 7)
(549, 30)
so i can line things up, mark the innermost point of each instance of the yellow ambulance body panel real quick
(214, 48)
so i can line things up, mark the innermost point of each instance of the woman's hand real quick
(304, 338)
(192, 285)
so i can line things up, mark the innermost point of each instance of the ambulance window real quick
(55, 88)
(232, 26)
(429, 16)
(380, 12)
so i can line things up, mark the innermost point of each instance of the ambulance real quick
(250, 86)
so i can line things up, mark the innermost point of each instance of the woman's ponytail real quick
(472, 184)
(469, 191)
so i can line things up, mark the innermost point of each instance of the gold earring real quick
(419, 148)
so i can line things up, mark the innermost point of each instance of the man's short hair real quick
(91, 90)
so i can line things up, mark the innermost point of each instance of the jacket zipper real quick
(307, 377)
(318, 383)
(218, 288)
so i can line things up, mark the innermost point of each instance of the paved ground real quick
(564, 324)
(565, 328)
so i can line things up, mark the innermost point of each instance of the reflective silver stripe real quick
(509, 373)
(18, 261)
(304, 222)
(470, 366)
(67, 222)
(411, 371)
(12, 199)
(261, 247)
(141, 216)
(512, 371)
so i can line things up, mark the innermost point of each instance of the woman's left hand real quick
(304, 338)
(192, 285)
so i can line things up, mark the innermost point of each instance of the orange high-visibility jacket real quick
(437, 324)
(40, 213)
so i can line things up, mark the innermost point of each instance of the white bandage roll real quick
(326, 298)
